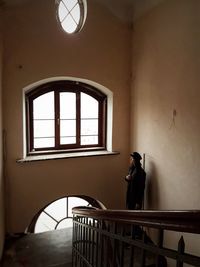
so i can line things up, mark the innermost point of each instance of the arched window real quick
(58, 214)
(65, 116)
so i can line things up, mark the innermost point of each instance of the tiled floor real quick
(49, 249)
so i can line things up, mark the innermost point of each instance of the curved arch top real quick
(89, 201)
(94, 84)
(102, 88)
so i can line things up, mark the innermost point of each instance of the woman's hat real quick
(136, 156)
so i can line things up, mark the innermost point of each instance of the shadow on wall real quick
(152, 196)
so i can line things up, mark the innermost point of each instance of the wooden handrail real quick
(187, 221)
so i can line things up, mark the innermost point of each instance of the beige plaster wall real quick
(165, 105)
(2, 232)
(101, 53)
(166, 65)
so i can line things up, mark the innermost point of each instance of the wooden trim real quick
(181, 221)
(70, 86)
(66, 86)
(57, 118)
(78, 119)
(30, 116)
(27, 108)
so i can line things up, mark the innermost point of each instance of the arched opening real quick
(107, 132)
(58, 213)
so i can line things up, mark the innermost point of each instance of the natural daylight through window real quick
(58, 215)
(65, 116)
(71, 14)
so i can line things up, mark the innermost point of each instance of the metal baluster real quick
(73, 237)
(81, 261)
(97, 245)
(84, 238)
(143, 254)
(78, 240)
(181, 249)
(80, 237)
(73, 232)
(90, 241)
(86, 241)
(101, 243)
(122, 247)
(75, 244)
(107, 239)
(115, 246)
(160, 245)
(132, 246)
(93, 238)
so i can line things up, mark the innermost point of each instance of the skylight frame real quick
(83, 14)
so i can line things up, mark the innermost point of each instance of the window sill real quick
(66, 155)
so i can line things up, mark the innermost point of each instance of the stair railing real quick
(119, 238)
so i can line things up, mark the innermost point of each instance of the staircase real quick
(49, 249)
(118, 238)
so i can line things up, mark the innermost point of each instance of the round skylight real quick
(72, 14)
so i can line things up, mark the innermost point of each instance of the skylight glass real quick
(71, 14)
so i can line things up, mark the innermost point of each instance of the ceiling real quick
(123, 9)
(128, 10)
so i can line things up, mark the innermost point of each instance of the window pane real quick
(58, 209)
(89, 127)
(67, 140)
(43, 106)
(69, 24)
(43, 142)
(70, 3)
(74, 202)
(89, 140)
(67, 223)
(43, 128)
(89, 107)
(76, 13)
(44, 223)
(62, 11)
(67, 105)
(67, 128)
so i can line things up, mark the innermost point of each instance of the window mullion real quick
(100, 123)
(53, 101)
(30, 124)
(57, 119)
(104, 122)
(78, 118)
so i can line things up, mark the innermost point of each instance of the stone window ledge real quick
(66, 155)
